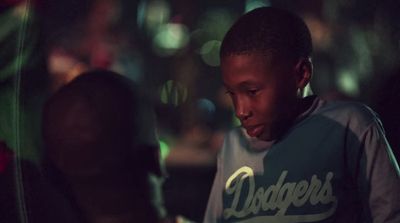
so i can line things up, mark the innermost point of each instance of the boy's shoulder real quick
(351, 109)
(355, 115)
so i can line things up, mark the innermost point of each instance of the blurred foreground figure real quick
(26, 196)
(101, 149)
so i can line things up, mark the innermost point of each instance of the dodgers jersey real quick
(333, 165)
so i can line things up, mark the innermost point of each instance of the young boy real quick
(295, 158)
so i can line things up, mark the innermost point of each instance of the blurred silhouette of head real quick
(98, 123)
(101, 149)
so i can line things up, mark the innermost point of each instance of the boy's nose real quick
(242, 113)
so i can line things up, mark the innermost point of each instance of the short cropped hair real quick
(268, 30)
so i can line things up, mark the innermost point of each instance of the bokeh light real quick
(362, 61)
(170, 38)
(212, 25)
(164, 149)
(253, 4)
(11, 21)
(235, 120)
(216, 22)
(206, 105)
(321, 32)
(210, 52)
(348, 83)
(152, 14)
(206, 109)
(173, 93)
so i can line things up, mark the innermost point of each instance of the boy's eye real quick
(229, 92)
(252, 92)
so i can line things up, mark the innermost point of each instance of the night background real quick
(171, 49)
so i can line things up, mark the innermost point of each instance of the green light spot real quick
(9, 24)
(164, 150)
(362, 59)
(210, 52)
(169, 38)
(141, 13)
(173, 93)
(236, 121)
(152, 14)
(215, 23)
(348, 83)
(253, 4)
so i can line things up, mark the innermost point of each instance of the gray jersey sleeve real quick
(382, 176)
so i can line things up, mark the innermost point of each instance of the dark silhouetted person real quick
(101, 149)
(27, 196)
(295, 158)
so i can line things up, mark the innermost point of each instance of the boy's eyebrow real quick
(243, 84)
(248, 84)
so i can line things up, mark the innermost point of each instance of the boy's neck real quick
(302, 106)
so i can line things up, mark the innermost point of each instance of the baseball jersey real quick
(333, 165)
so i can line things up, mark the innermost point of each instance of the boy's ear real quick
(304, 70)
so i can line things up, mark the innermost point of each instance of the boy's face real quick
(264, 93)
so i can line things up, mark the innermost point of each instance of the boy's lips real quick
(255, 130)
